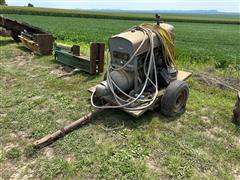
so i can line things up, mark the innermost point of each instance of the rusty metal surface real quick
(42, 41)
(75, 50)
(72, 57)
(18, 27)
(97, 57)
(45, 43)
(93, 58)
(50, 138)
(10, 24)
(101, 50)
(236, 111)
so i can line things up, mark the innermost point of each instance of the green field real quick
(201, 144)
(217, 18)
(196, 42)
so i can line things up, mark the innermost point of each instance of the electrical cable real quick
(169, 59)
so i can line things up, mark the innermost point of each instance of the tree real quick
(30, 5)
(2, 2)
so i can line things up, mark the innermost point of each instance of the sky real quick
(220, 5)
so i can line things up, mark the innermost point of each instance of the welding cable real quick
(110, 68)
(147, 78)
(132, 57)
(130, 97)
(169, 59)
(113, 85)
(168, 43)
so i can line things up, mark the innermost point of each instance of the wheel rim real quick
(181, 100)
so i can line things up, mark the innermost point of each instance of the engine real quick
(141, 60)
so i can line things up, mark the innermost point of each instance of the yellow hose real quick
(169, 54)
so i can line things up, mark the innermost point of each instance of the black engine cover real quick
(166, 76)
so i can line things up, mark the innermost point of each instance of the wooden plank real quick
(182, 75)
(83, 58)
(29, 44)
(92, 89)
(132, 113)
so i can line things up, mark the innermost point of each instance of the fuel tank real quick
(123, 45)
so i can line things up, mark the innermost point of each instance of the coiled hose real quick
(169, 58)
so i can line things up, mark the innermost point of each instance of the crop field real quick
(220, 44)
(214, 18)
(201, 144)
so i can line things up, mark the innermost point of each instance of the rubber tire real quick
(169, 99)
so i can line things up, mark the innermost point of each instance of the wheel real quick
(173, 102)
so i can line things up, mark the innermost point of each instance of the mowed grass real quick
(201, 144)
(196, 42)
(199, 18)
(34, 102)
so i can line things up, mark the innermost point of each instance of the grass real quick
(13, 153)
(216, 43)
(201, 144)
(198, 18)
(201, 43)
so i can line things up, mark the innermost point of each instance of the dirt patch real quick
(20, 59)
(34, 98)
(223, 83)
(3, 115)
(236, 141)
(205, 119)
(9, 170)
(40, 109)
(24, 171)
(48, 152)
(11, 82)
(63, 72)
(236, 174)
(214, 132)
(152, 164)
(70, 158)
(19, 172)
(57, 72)
(22, 134)
(60, 70)
(12, 135)
(63, 122)
(23, 59)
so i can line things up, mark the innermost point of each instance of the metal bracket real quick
(72, 57)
